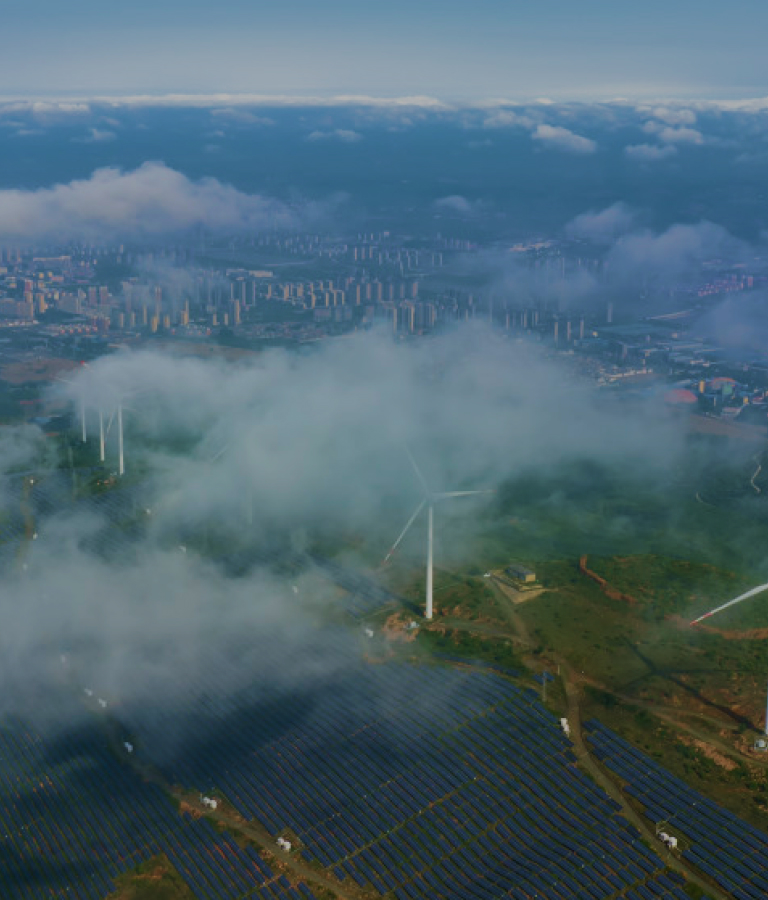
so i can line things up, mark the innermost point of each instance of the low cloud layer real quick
(284, 450)
(602, 226)
(563, 139)
(455, 203)
(672, 253)
(151, 200)
(343, 135)
(649, 152)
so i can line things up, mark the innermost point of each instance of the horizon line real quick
(421, 101)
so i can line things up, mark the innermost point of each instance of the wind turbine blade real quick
(403, 532)
(746, 596)
(417, 470)
(220, 453)
(448, 494)
(111, 419)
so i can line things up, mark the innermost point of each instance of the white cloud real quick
(675, 115)
(681, 136)
(456, 203)
(649, 152)
(750, 105)
(603, 226)
(338, 134)
(508, 119)
(212, 101)
(152, 199)
(674, 251)
(241, 116)
(563, 139)
(671, 135)
(96, 136)
(46, 109)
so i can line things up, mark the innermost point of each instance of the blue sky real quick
(491, 48)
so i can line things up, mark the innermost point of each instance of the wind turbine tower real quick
(101, 434)
(117, 414)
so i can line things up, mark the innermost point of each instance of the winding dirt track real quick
(572, 684)
(607, 588)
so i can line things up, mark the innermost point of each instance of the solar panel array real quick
(424, 782)
(364, 595)
(51, 492)
(73, 818)
(728, 849)
(11, 527)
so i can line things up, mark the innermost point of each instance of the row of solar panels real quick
(217, 868)
(72, 819)
(426, 782)
(731, 851)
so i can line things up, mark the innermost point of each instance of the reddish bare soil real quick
(608, 589)
(730, 634)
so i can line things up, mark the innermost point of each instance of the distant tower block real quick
(556, 330)
(609, 314)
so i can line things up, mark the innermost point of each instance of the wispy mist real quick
(283, 449)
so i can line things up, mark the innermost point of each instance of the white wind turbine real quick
(106, 400)
(429, 501)
(116, 413)
(120, 448)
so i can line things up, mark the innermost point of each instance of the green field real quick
(155, 879)
(667, 551)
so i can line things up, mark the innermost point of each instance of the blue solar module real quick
(710, 844)
(500, 762)
(424, 781)
(72, 819)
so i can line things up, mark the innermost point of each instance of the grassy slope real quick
(155, 879)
